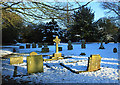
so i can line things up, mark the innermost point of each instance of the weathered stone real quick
(14, 50)
(70, 47)
(101, 46)
(16, 60)
(57, 55)
(115, 50)
(33, 53)
(21, 47)
(60, 48)
(33, 45)
(94, 62)
(82, 54)
(34, 64)
(27, 45)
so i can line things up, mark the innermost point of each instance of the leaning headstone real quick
(21, 47)
(94, 62)
(33, 45)
(34, 64)
(70, 47)
(45, 48)
(16, 60)
(115, 50)
(33, 53)
(83, 44)
(27, 45)
(101, 46)
(39, 45)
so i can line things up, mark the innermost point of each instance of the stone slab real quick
(16, 60)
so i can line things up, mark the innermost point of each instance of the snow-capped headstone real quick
(27, 45)
(16, 60)
(33, 45)
(101, 46)
(94, 62)
(34, 64)
(45, 48)
(33, 53)
(70, 47)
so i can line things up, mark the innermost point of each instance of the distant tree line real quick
(82, 27)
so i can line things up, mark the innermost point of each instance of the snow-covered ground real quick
(55, 73)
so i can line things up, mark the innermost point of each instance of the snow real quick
(55, 73)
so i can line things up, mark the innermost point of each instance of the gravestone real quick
(70, 47)
(16, 60)
(39, 45)
(60, 48)
(33, 53)
(115, 50)
(21, 47)
(83, 44)
(27, 45)
(45, 48)
(94, 62)
(14, 50)
(101, 46)
(33, 45)
(57, 54)
(34, 64)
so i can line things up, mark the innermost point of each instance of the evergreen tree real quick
(83, 27)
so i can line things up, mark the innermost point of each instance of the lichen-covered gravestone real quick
(33, 53)
(16, 60)
(94, 63)
(45, 48)
(34, 64)
(70, 47)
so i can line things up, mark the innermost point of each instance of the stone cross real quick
(57, 41)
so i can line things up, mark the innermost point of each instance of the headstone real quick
(27, 45)
(33, 45)
(101, 46)
(60, 48)
(16, 60)
(45, 48)
(34, 64)
(83, 44)
(14, 50)
(39, 45)
(94, 62)
(21, 47)
(33, 53)
(115, 50)
(70, 47)
(57, 54)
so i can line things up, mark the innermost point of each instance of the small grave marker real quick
(21, 47)
(39, 45)
(33, 45)
(70, 47)
(34, 64)
(60, 48)
(83, 44)
(101, 46)
(94, 62)
(27, 45)
(115, 50)
(45, 48)
(16, 60)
